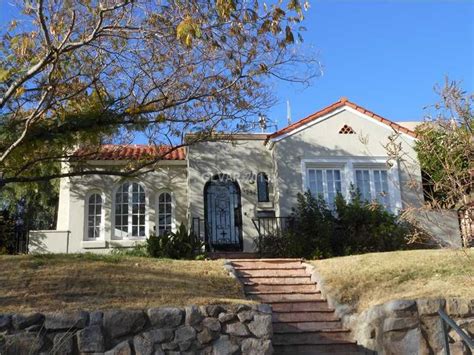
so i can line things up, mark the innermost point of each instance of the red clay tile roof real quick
(341, 103)
(133, 151)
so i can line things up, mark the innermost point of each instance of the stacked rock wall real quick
(412, 326)
(239, 329)
(404, 326)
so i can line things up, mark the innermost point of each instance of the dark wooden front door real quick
(223, 214)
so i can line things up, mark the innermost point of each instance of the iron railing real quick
(213, 243)
(449, 323)
(270, 226)
(198, 228)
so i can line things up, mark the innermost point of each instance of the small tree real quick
(445, 148)
(445, 153)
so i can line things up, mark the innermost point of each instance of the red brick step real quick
(278, 280)
(303, 323)
(304, 317)
(321, 337)
(266, 264)
(275, 298)
(271, 272)
(304, 288)
(317, 349)
(301, 327)
(307, 306)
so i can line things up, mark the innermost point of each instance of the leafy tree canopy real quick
(81, 73)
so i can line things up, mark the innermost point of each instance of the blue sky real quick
(384, 55)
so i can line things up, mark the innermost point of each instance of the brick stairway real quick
(303, 323)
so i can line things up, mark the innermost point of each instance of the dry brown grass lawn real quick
(72, 282)
(370, 279)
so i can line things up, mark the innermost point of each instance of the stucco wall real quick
(323, 140)
(74, 191)
(239, 159)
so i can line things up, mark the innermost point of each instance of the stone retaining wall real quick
(239, 329)
(404, 326)
(412, 326)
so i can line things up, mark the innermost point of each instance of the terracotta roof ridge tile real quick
(132, 151)
(343, 101)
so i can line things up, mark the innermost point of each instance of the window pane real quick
(126, 206)
(94, 213)
(312, 181)
(325, 183)
(363, 184)
(381, 187)
(262, 187)
(165, 209)
(319, 182)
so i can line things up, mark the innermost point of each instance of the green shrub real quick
(366, 227)
(352, 228)
(139, 249)
(175, 245)
(310, 233)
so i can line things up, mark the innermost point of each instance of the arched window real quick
(165, 213)
(94, 216)
(262, 187)
(130, 211)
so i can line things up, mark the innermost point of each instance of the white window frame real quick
(147, 229)
(173, 211)
(324, 168)
(348, 165)
(86, 216)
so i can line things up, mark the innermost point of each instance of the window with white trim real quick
(325, 183)
(372, 184)
(165, 213)
(94, 216)
(130, 211)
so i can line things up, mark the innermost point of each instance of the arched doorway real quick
(223, 214)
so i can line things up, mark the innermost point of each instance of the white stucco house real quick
(220, 187)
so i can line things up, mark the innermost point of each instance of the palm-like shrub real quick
(175, 245)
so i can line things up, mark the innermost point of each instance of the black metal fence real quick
(13, 234)
(270, 226)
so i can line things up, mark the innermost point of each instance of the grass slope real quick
(370, 279)
(73, 282)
